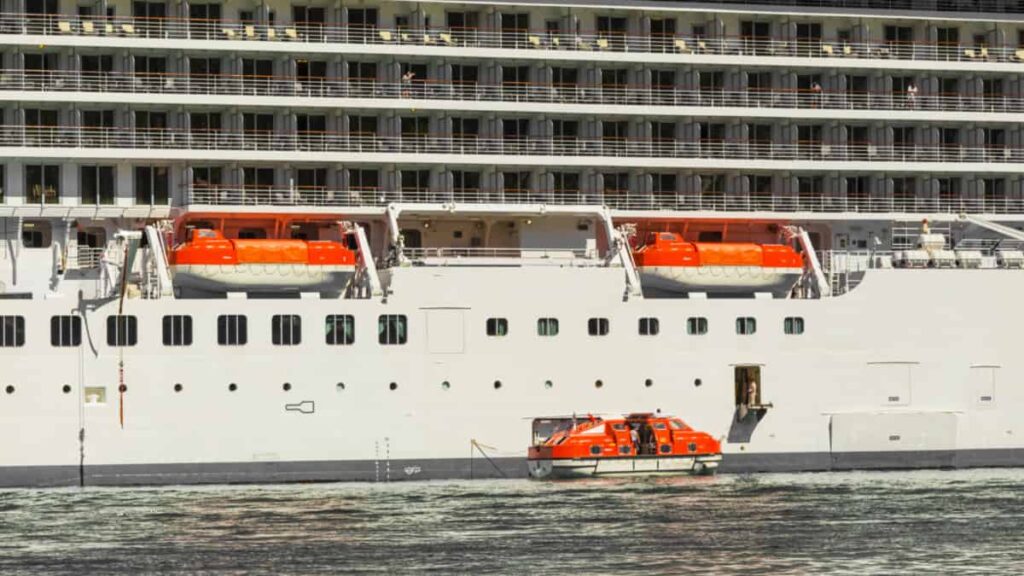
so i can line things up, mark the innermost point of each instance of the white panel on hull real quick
(892, 380)
(983, 385)
(445, 331)
(894, 431)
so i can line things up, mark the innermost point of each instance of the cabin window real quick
(65, 331)
(597, 326)
(36, 234)
(696, 326)
(547, 326)
(497, 327)
(286, 330)
(746, 325)
(177, 330)
(649, 327)
(232, 330)
(793, 325)
(12, 331)
(122, 330)
(341, 329)
(392, 329)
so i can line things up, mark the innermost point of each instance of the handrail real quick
(359, 88)
(316, 141)
(515, 39)
(656, 201)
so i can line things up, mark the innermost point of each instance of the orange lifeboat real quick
(637, 444)
(209, 261)
(667, 263)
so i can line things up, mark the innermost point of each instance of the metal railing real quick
(515, 39)
(263, 140)
(497, 253)
(89, 257)
(298, 87)
(234, 196)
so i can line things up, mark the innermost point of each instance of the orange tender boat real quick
(209, 261)
(667, 263)
(568, 447)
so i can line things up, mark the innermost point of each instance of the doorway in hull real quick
(750, 407)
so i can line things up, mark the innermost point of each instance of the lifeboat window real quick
(597, 326)
(177, 330)
(619, 426)
(676, 424)
(649, 327)
(659, 425)
(392, 329)
(122, 330)
(595, 449)
(12, 331)
(65, 330)
(547, 326)
(667, 236)
(793, 325)
(696, 326)
(286, 329)
(232, 330)
(746, 325)
(341, 329)
(497, 327)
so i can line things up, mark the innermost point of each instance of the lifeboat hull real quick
(719, 279)
(565, 468)
(262, 277)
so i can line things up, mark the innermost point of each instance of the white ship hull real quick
(892, 374)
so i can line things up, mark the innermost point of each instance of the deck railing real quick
(515, 39)
(359, 88)
(320, 197)
(266, 140)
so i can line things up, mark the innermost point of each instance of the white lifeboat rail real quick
(448, 256)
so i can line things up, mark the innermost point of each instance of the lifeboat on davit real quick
(667, 263)
(209, 261)
(637, 444)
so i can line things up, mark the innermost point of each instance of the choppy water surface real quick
(942, 521)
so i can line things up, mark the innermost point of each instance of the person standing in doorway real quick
(407, 83)
(911, 95)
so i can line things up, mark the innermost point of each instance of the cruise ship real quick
(374, 240)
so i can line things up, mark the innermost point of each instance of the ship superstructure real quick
(373, 240)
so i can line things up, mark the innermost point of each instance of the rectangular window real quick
(392, 329)
(597, 327)
(12, 331)
(649, 327)
(497, 327)
(97, 184)
(547, 326)
(696, 326)
(152, 185)
(341, 329)
(65, 331)
(177, 330)
(746, 325)
(232, 330)
(122, 330)
(286, 330)
(793, 325)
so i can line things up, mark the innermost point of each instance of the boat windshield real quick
(545, 428)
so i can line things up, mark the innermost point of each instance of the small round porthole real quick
(549, 384)
(624, 449)
(595, 449)
(177, 387)
(497, 384)
(393, 386)
(665, 448)
(445, 385)
(339, 387)
(648, 383)
(232, 387)
(9, 389)
(692, 446)
(66, 389)
(697, 382)
(598, 384)
(286, 386)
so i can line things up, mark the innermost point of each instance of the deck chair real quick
(88, 27)
(64, 26)
(602, 43)
(250, 31)
(983, 53)
(385, 35)
(229, 33)
(109, 29)
(428, 39)
(1020, 55)
(447, 39)
(555, 42)
(847, 50)
(128, 29)
(533, 40)
(271, 34)
(827, 49)
(581, 45)
(681, 45)
(291, 33)
(969, 53)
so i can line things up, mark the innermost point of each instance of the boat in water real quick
(636, 444)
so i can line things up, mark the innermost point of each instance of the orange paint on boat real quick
(669, 249)
(209, 247)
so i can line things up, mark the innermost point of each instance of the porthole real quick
(445, 385)
(697, 382)
(598, 384)
(177, 387)
(692, 446)
(232, 387)
(339, 387)
(497, 384)
(595, 449)
(624, 449)
(122, 388)
(286, 386)
(665, 448)
(648, 383)
(393, 386)
(66, 389)
(549, 384)
(9, 389)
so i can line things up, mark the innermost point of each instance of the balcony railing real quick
(516, 39)
(255, 140)
(717, 202)
(237, 85)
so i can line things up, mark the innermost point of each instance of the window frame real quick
(236, 323)
(746, 325)
(286, 329)
(598, 326)
(648, 326)
(697, 326)
(176, 330)
(12, 331)
(547, 327)
(793, 325)
(497, 327)
(392, 329)
(69, 325)
(122, 330)
(332, 322)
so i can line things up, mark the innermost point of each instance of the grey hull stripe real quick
(465, 468)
